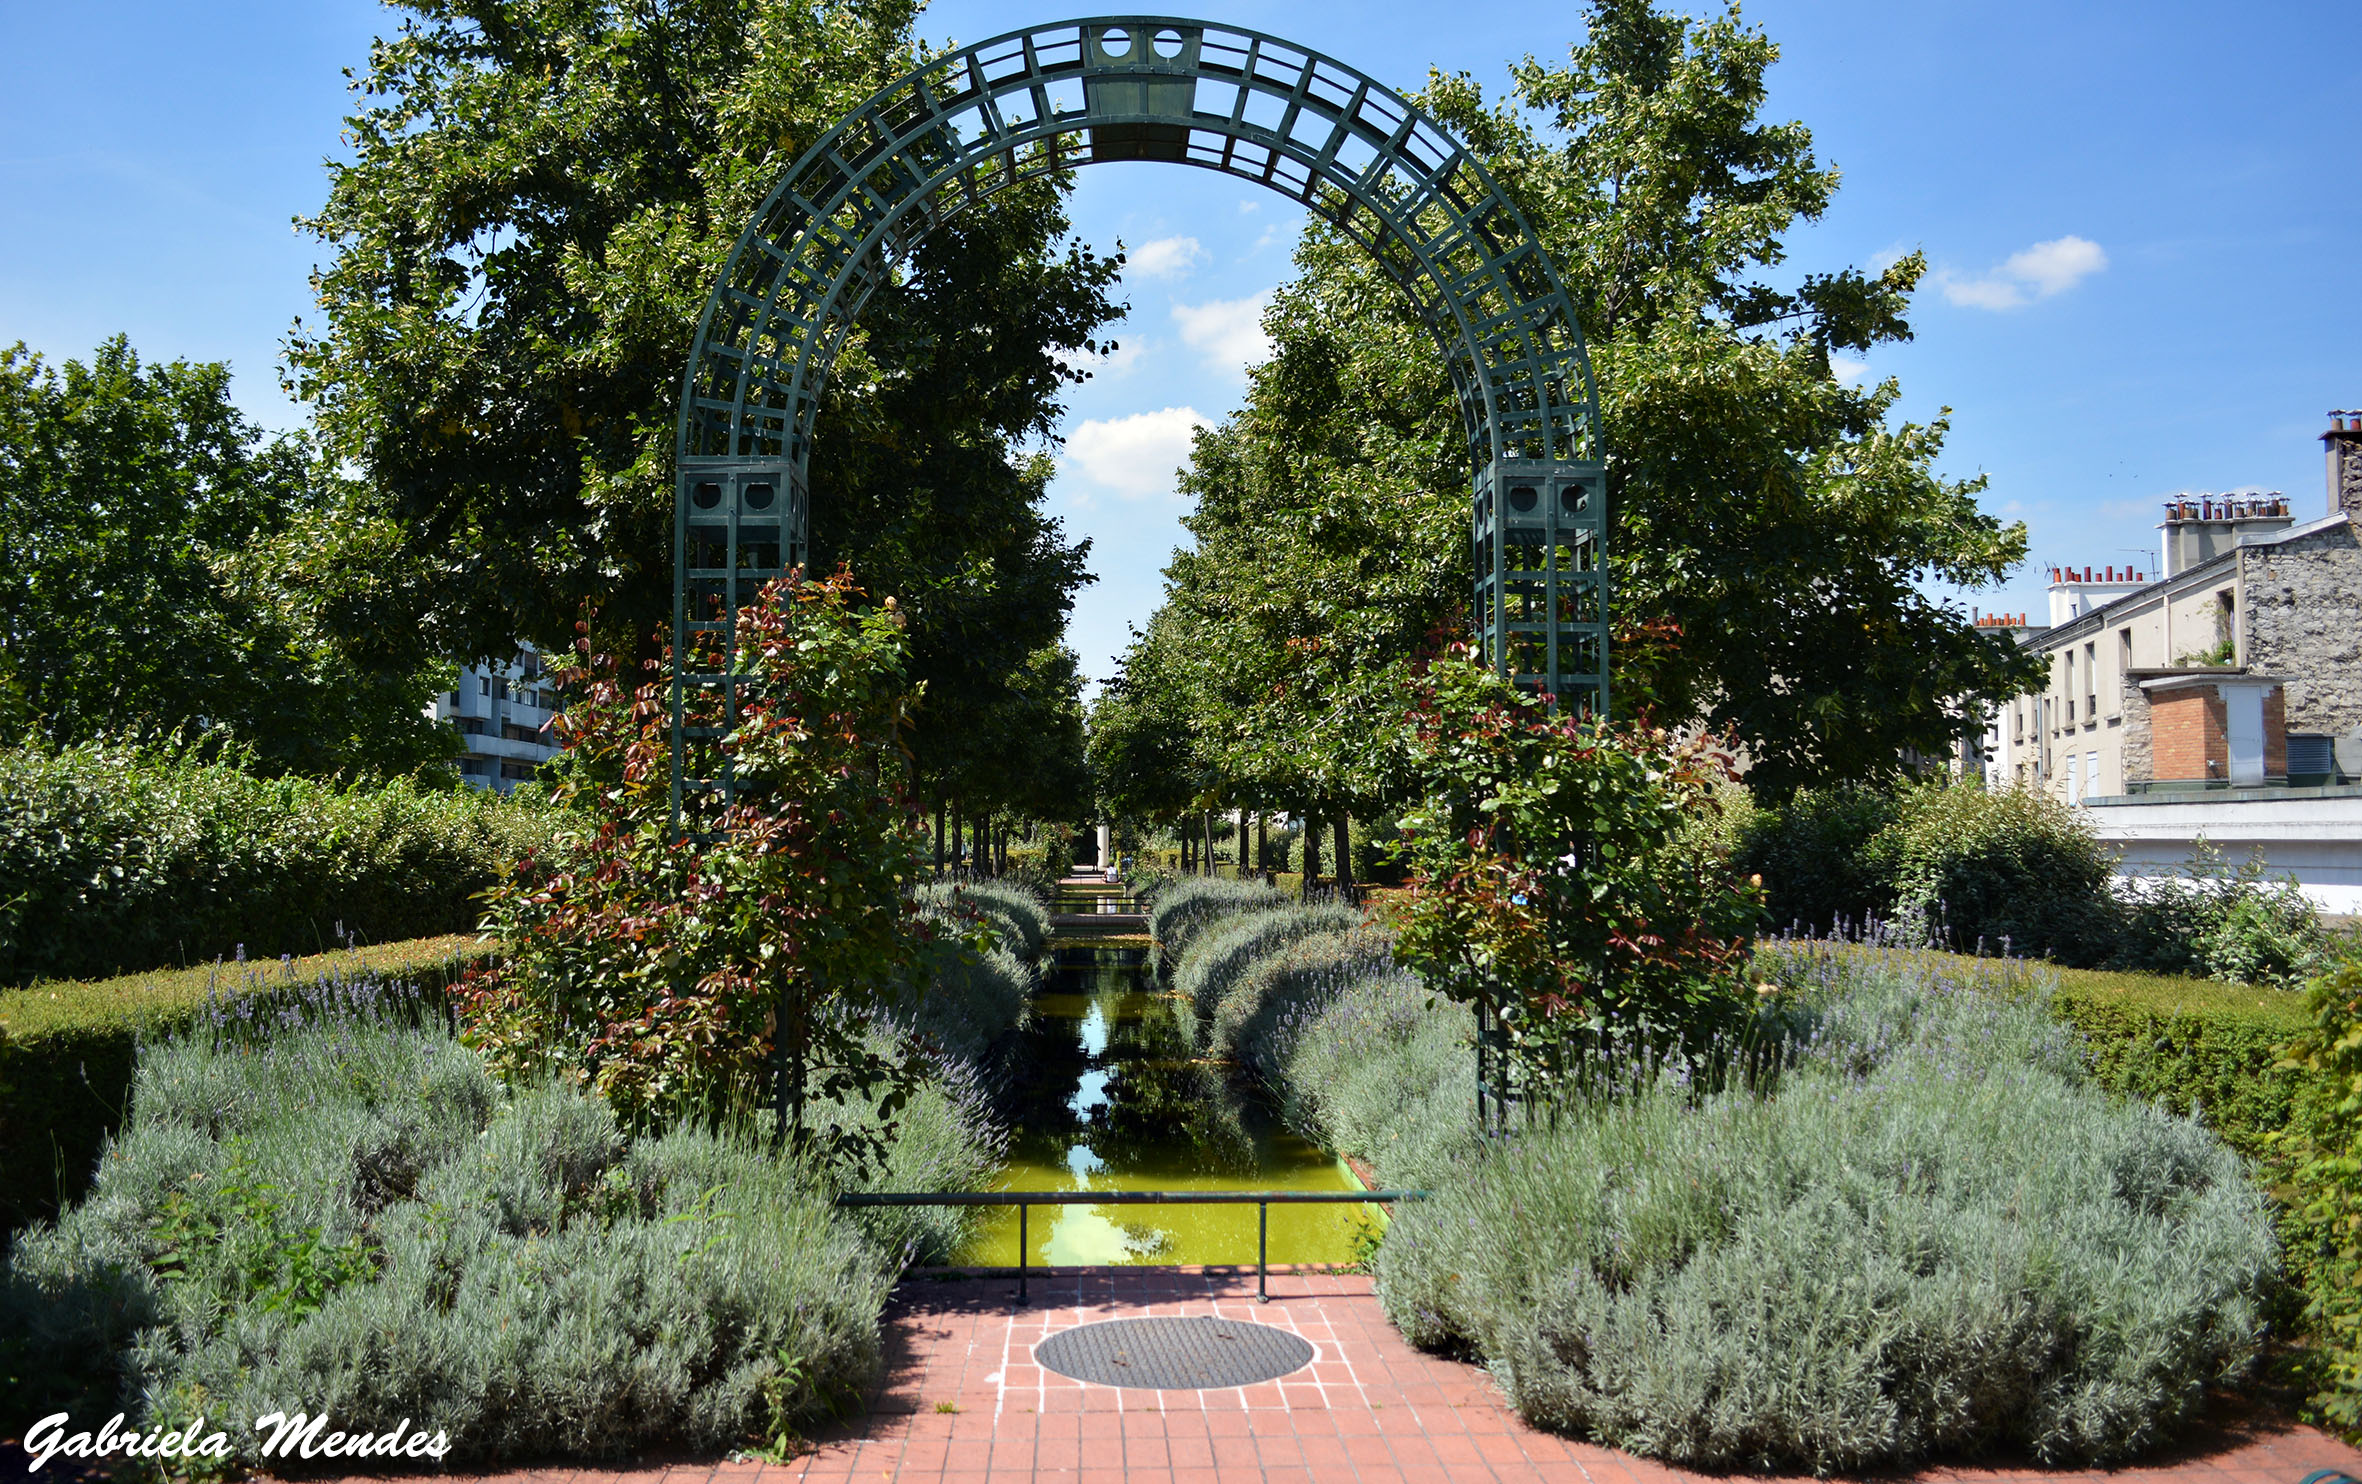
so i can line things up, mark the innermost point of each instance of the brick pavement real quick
(963, 1403)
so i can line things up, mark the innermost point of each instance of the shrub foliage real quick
(117, 858)
(353, 1216)
(1933, 1237)
(2323, 1148)
(1549, 884)
(670, 973)
(2018, 872)
(1916, 1224)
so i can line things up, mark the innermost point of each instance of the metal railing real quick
(1024, 1200)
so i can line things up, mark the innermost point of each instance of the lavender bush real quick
(1187, 905)
(327, 1203)
(1223, 950)
(1934, 1237)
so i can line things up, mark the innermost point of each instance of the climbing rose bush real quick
(1554, 882)
(670, 967)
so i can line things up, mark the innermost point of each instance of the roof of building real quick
(2097, 618)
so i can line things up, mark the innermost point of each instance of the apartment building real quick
(2223, 698)
(502, 712)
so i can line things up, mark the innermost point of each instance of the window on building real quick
(483, 685)
(2123, 652)
(2074, 778)
(2067, 683)
(2091, 775)
(2091, 681)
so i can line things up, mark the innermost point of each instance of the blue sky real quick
(2140, 217)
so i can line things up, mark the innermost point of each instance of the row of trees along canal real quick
(1771, 522)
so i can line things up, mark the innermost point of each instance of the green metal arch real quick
(984, 117)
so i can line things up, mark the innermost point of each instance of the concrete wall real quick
(2314, 834)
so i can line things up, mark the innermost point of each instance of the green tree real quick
(152, 574)
(1772, 525)
(1146, 762)
(540, 194)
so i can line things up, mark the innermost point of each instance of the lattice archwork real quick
(977, 120)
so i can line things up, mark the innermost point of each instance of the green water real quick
(1106, 1094)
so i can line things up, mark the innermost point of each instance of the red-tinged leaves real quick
(661, 970)
(1553, 877)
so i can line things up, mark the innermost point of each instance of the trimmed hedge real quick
(67, 1049)
(115, 858)
(963, 1000)
(2322, 1152)
(1014, 908)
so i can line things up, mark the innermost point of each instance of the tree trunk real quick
(955, 832)
(1311, 850)
(938, 837)
(1344, 852)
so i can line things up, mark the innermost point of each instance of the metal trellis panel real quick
(982, 118)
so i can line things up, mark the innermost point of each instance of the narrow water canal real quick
(1106, 1093)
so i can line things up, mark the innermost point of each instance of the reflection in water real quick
(1105, 1094)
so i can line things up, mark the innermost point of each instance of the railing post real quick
(1022, 1244)
(1262, 1252)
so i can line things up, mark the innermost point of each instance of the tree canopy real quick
(540, 194)
(153, 575)
(1772, 523)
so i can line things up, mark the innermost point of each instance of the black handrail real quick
(1024, 1200)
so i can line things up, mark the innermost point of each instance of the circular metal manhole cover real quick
(1173, 1354)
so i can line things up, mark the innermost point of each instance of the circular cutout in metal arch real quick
(1193, 1354)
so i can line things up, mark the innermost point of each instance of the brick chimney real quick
(2344, 444)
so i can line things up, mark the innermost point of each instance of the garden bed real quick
(1935, 1232)
(67, 1049)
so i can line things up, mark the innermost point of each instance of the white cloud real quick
(1135, 456)
(1227, 332)
(2038, 272)
(1166, 257)
(1847, 369)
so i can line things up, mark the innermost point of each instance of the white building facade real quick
(2221, 701)
(502, 712)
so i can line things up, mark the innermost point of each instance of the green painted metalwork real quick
(977, 120)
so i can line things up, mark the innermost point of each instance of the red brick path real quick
(1368, 1408)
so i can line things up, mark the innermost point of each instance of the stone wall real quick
(2139, 733)
(2304, 616)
